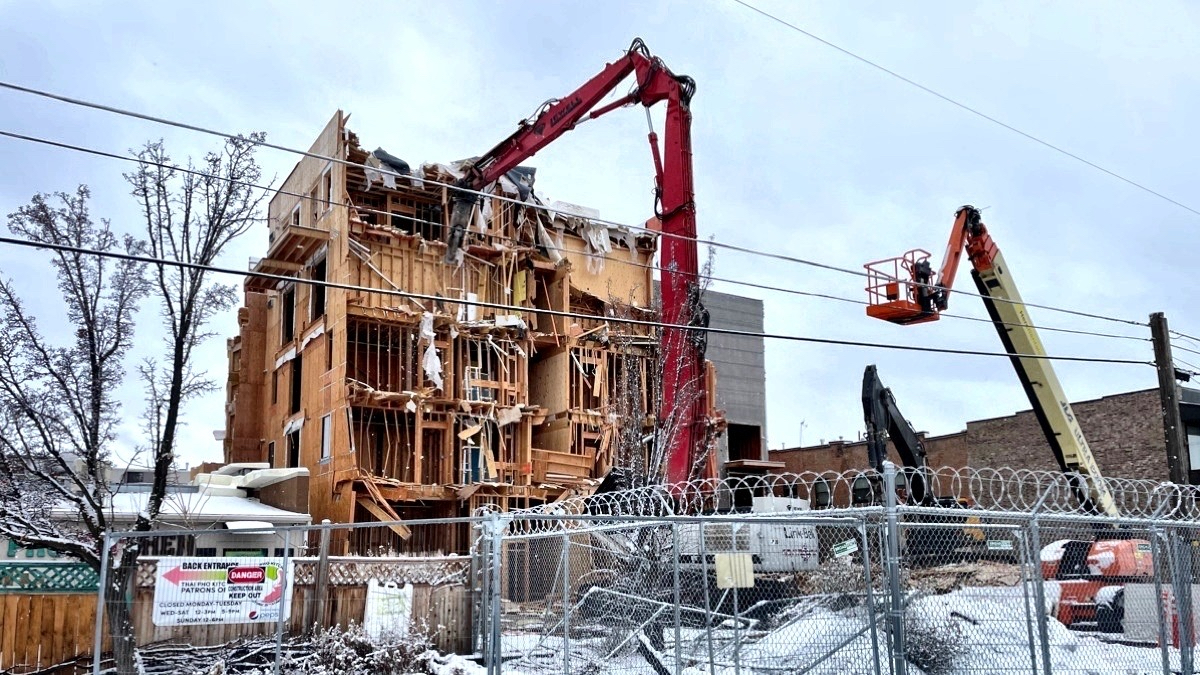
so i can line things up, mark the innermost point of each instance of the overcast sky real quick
(798, 149)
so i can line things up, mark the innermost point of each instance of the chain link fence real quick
(312, 599)
(838, 575)
(820, 574)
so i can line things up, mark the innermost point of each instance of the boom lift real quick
(684, 375)
(923, 299)
(1090, 574)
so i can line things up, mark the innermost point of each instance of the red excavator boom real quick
(684, 393)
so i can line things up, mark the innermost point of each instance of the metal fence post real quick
(892, 569)
(1156, 557)
(98, 638)
(321, 579)
(707, 602)
(1028, 569)
(284, 605)
(737, 612)
(1188, 639)
(479, 588)
(495, 650)
(566, 601)
(1039, 589)
(870, 593)
(675, 572)
(1182, 583)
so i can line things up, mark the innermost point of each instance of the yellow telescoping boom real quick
(921, 298)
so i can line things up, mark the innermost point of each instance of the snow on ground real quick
(988, 627)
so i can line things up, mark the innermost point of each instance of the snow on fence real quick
(400, 585)
(818, 573)
(759, 575)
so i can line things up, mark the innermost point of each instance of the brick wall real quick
(1124, 431)
(841, 456)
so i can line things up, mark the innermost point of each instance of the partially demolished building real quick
(412, 387)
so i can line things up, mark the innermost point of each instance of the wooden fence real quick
(39, 630)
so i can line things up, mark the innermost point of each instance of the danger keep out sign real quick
(191, 591)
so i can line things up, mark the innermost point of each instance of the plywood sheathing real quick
(381, 440)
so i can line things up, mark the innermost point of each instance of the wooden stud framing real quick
(542, 392)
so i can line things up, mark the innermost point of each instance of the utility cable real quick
(1189, 365)
(973, 111)
(548, 312)
(1185, 336)
(1185, 349)
(387, 214)
(348, 163)
(396, 174)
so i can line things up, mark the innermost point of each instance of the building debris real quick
(403, 407)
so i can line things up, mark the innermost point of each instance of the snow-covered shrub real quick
(844, 582)
(352, 650)
(934, 647)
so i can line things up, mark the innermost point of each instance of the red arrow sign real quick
(178, 575)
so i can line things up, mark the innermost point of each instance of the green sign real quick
(845, 548)
(1000, 545)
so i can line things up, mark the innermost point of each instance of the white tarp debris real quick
(312, 335)
(431, 362)
(569, 209)
(472, 308)
(388, 609)
(595, 235)
(386, 176)
(287, 356)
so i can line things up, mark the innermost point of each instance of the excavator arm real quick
(884, 421)
(682, 349)
(925, 298)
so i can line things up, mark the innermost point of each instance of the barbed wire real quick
(999, 490)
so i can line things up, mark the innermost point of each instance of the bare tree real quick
(190, 217)
(640, 450)
(58, 411)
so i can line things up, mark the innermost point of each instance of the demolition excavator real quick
(886, 423)
(684, 375)
(906, 290)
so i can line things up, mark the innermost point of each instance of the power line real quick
(388, 214)
(1185, 336)
(1189, 365)
(1185, 349)
(971, 110)
(548, 312)
(348, 163)
(388, 171)
(330, 203)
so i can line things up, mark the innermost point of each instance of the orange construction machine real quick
(906, 290)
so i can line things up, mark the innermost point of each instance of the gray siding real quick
(741, 374)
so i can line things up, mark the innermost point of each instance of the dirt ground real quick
(948, 578)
